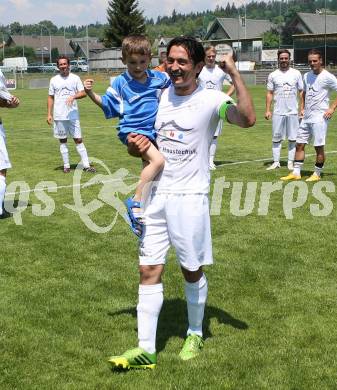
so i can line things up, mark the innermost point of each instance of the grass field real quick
(68, 294)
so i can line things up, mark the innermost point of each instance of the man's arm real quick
(13, 103)
(88, 84)
(243, 114)
(269, 98)
(328, 113)
(302, 103)
(50, 105)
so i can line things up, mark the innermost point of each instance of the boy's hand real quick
(88, 84)
(137, 144)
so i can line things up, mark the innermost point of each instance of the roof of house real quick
(234, 28)
(35, 41)
(315, 23)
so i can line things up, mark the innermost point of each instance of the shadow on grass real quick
(173, 320)
(60, 167)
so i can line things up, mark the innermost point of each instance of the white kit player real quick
(213, 77)
(8, 101)
(318, 84)
(283, 86)
(64, 89)
(177, 213)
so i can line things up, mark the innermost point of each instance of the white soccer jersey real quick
(285, 86)
(213, 78)
(317, 88)
(185, 127)
(61, 88)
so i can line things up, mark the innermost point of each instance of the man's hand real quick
(227, 63)
(268, 115)
(88, 84)
(328, 113)
(49, 119)
(137, 144)
(70, 100)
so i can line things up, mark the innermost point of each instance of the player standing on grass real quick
(133, 97)
(64, 89)
(213, 77)
(9, 101)
(283, 85)
(178, 211)
(318, 84)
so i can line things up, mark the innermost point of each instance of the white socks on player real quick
(149, 305)
(65, 155)
(2, 191)
(212, 150)
(297, 167)
(276, 149)
(82, 151)
(291, 150)
(196, 296)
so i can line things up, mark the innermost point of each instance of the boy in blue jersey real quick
(133, 97)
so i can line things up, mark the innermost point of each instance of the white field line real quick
(267, 159)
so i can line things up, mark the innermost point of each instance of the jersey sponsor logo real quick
(171, 131)
(210, 85)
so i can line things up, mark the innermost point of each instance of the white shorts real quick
(180, 220)
(68, 128)
(218, 130)
(312, 132)
(4, 159)
(284, 126)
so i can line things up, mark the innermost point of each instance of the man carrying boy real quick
(133, 97)
(318, 84)
(64, 89)
(178, 210)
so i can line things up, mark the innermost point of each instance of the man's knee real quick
(150, 274)
(3, 172)
(78, 141)
(192, 276)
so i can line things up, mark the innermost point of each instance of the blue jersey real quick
(134, 103)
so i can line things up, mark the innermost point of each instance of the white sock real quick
(319, 169)
(297, 167)
(291, 150)
(65, 155)
(276, 149)
(2, 191)
(196, 296)
(149, 305)
(82, 151)
(212, 150)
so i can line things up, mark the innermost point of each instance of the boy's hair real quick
(62, 58)
(315, 52)
(136, 44)
(210, 48)
(194, 48)
(283, 51)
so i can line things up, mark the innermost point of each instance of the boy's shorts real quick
(312, 132)
(284, 126)
(180, 220)
(4, 159)
(150, 134)
(67, 129)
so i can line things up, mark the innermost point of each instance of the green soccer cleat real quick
(192, 347)
(134, 358)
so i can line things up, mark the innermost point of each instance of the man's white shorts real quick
(68, 128)
(312, 132)
(180, 220)
(285, 126)
(4, 159)
(218, 130)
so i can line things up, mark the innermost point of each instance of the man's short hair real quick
(315, 52)
(283, 51)
(208, 48)
(62, 58)
(194, 49)
(136, 44)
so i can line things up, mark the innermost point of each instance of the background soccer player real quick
(283, 85)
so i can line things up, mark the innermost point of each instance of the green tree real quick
(124, 19)
(270, 39)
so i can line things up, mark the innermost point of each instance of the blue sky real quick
(81, 12)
